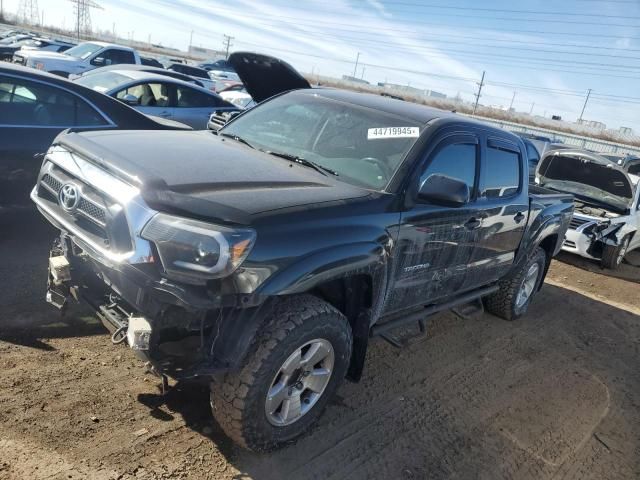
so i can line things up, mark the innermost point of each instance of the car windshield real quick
(83, 50)
(102, 82)
(363, 146)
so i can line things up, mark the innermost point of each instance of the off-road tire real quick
(503, 302)
(610, 254)
(238, 399)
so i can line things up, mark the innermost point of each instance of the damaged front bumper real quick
(171, 326)
(590, 238)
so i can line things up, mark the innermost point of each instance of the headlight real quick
(196, 251)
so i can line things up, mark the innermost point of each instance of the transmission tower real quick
(28, 12)
(82, 12)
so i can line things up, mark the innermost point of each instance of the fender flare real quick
(368, 258)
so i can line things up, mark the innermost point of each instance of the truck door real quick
(503, 205)
(435, 243)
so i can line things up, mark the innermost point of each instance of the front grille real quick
(96, 214)
(86, 207)
(575, 222)
(19, 59)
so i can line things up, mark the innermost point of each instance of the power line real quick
(82, 12)
(261, 16)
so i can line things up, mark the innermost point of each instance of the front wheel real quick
(295, 366)
(512, 300)
(612, 256)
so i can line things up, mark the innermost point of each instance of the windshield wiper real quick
(303, 161)
(236, 138)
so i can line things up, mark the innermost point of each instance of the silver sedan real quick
(159, 95)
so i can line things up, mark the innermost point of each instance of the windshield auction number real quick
(392, 132)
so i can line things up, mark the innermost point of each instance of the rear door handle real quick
(519, 217)
(472, 223)
(164, 114)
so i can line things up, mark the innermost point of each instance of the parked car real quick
(240, 99)
(159, 95)
(223, 80)
(220, 65)
(233, 87)
(150, 62)
(194, 72)
(48, 45)
(537, 146)
(8, 49)
(43, 44)
(606, 219)
(264, 258)
(81, 58)
(262, 78)
(140, 68)
(35, 107)
(629, 163)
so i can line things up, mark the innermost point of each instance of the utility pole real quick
(190, 41)
(512, 100)
(356, 67)
(227, 45)
(584, 106)
(480, 85)
(362, 76)
(532, 105)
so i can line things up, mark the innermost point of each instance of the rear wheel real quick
(296, 364)
(512, 300)
(612, 256)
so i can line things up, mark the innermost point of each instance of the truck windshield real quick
(363, 146)
(83, 50)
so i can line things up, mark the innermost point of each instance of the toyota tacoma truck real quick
(265, 257)
(605, 224)
(77, 60)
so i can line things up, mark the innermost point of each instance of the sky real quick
(548, 53)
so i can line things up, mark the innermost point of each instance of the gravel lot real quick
(555, 395)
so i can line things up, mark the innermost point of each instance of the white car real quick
(79, 59)
(606, 219)
(239, 98)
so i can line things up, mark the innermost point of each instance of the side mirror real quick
(99, 61)
(445, 191)
(130, 99)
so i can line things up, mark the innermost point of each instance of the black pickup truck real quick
(264, 257)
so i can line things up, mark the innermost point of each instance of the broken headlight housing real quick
(195, 251)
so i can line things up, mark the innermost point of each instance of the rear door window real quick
(149, 94)
(191, 98)
(501, 173)
(24, 102)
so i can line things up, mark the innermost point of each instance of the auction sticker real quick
(393, 132)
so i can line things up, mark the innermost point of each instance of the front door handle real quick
(472, 223)
(164, 114)
(519, 217)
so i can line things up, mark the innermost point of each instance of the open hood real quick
(587, 175)
(265, 76)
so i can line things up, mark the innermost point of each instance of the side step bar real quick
(419, 316)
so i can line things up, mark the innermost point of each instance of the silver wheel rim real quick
(528, 284)
(299, 383)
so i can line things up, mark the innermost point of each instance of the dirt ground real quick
(555, 395)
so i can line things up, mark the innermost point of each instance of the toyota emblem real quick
(69, 197)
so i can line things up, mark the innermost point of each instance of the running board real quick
(421, 315)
